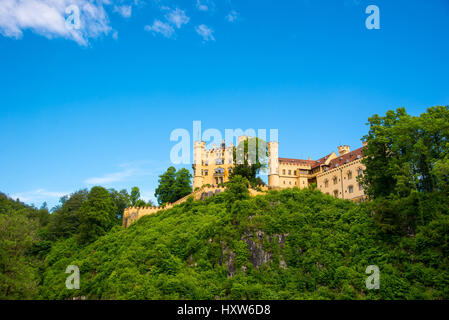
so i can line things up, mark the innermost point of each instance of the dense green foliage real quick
(407, 168)
(173, 185)
(28, 233)
(407, 154)
(20, 246)
(292, 244)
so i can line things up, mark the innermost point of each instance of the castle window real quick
(284, 181)
(335, 193)
(283, 171)
(351, 189)
(335, 180)
(219, 170)
(289, 172)
(229, 170)
(201, 172)
(349, 175)
(206, 172)
(326, 183)
(289, 182)
(294, 172)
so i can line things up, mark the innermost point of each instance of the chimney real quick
(343, 150)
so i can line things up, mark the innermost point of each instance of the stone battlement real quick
(132, 214)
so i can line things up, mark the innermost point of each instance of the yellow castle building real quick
(334, 174)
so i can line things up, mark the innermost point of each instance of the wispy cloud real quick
(127, 171)
(38, 195)
(174, 18)
(111, 177)
(177, 17)
(205, 32)
(48, 18)
(232, 16)
(162, 28)
(84, 20)
(125, 11)
(204, 5)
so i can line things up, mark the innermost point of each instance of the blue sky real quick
(96, 105)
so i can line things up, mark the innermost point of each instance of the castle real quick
(333, 174)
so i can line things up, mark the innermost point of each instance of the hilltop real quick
(289, 244)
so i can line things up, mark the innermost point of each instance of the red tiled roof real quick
(346, 158)
(321, 161)
(297, 161)
(351, 156)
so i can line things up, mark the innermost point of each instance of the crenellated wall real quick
(132, 214)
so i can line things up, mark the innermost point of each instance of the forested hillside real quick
(292, 244)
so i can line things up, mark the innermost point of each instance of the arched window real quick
(349, 175)
(326, 183)
(335, 180)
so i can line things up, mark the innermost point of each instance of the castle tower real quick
(273, 164)
(198, 148)
(343, 150)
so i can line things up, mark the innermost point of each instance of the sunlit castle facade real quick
(333, 174)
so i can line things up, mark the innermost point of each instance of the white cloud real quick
(232, 16)
(128, 170)
(111, 177)
(161, 27)
(38, 195)
(124, 11)
(205, 32)
(48, 18)
(204, 5)
(177, 17)
(174, 18)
